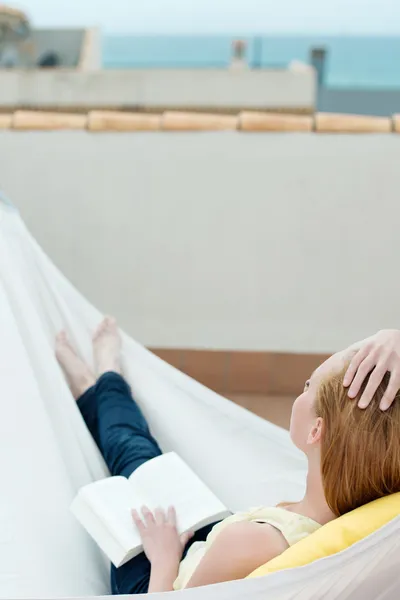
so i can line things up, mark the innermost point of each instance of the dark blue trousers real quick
(124, 439)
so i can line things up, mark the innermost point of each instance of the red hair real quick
(360, 448)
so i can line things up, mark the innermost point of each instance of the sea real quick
(351, 61)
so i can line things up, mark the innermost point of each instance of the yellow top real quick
(294, 527)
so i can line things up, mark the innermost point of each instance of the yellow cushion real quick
(336, 535)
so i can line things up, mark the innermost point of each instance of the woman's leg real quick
(88, 406)
(81, 381)
(124, 436)
(124, 440)
(126, 443)
(107, 406)
(116, 424)
(119, 429)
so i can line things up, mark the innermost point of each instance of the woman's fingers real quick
(148, 516)
(160, 516)
(157, 517)
(374, 382)
(354, 365)
(171, 515)
(363, 370)
(391, 391)
(185, 537)
(137, 520)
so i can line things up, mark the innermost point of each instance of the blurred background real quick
(355, 49)
(221, 176)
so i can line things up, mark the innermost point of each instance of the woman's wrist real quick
(165, 561)
(164, 571)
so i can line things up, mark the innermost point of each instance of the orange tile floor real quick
(276, 409)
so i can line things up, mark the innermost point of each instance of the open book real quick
(104, 507)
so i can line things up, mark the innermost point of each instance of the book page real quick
(168, 481)
(111, 500)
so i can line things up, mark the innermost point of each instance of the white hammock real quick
(47, 453)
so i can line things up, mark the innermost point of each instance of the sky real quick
(219, 16)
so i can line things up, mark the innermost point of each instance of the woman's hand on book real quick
(161, 541)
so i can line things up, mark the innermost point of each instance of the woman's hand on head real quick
(376, 355)
(159, 534)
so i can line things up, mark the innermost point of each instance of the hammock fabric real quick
(47, 454)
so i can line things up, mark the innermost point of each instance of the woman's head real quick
(358, 449)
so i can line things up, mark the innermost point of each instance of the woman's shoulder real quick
(240, 548)
(291, 525)
(248, 535)
(282, 522)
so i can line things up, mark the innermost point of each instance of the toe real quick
(108, 325)
(112, 322)
(98, 330)
(61, 337)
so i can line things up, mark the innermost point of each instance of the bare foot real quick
(79, 376)
(107, 347)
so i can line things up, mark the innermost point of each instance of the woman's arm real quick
(238, 551)
(163, 575)
(162, 545)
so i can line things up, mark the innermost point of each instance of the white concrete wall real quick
(91, 51)
(159, 88)
(67, 44)
(227, 240)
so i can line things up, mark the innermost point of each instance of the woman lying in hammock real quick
(353, 458)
